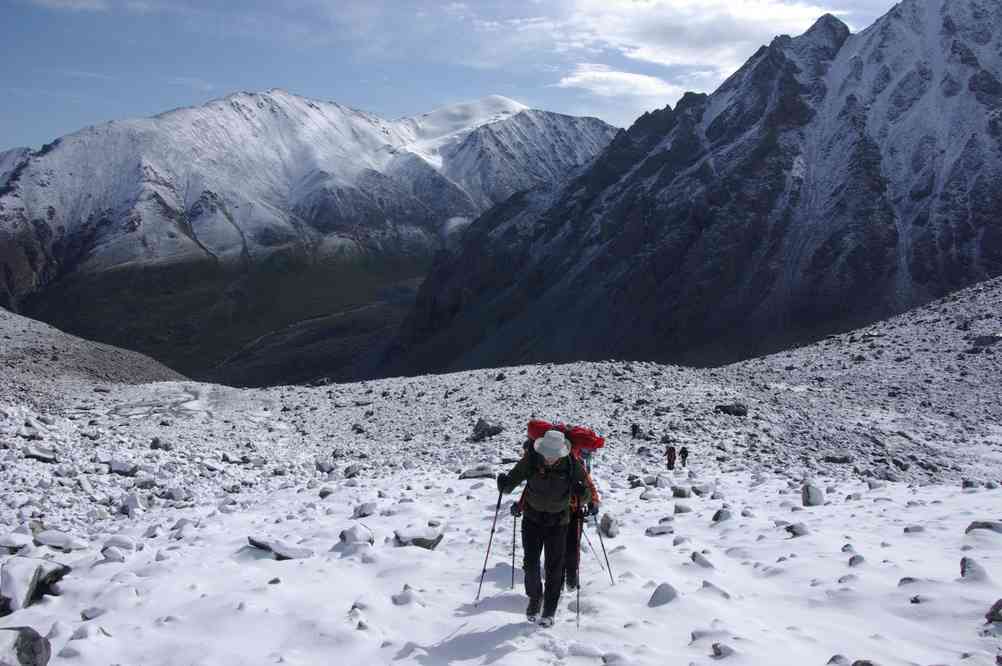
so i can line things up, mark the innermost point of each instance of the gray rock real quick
(609, 526)
(364, 510)
(994, 613)
(707, 585)
(797, 530)
(812, 495)
(733, 409)
(59, 540)
(356, 534)
(971, 571)
(427, 538)
(914, 529)
(663, 594)
(682, 508)
(856, 560)
(483, 471)
(280, 549)
(123, 467)
(351, 471)
(721, 650)
(485, 429)
(326, 492)
(989, 525)
(659, 530)
(91, 613)
(838, 458)
(701, 560)
(23, 646)
(42, 454)
(721, 515)
(681, 492)
(15, 541)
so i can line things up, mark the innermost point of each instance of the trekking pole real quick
(594, 552)
(514, 540)
(578, 567)
(602, 541)
(497, 509)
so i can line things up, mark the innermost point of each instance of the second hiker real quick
(552, 478)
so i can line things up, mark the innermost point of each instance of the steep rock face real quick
(834, 179)
(190, 235)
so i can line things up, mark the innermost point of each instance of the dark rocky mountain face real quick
(833, 180)
(262, 238)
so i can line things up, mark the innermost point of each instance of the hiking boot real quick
(532, 611)
(547, 621)
(571, 582)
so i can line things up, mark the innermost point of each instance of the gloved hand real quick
(591, 509)
(516, 510)
(502, 482)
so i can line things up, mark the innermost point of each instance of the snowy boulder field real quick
(851, 511)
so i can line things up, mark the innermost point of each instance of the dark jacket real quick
(549, 490)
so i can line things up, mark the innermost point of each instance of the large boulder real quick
(23, 646)
(59, 541)
(23, 580)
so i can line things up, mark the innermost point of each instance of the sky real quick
(67, 64)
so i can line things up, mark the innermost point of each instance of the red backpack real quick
(581, 438)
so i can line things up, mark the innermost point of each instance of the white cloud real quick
(707, 34)
(603, 81)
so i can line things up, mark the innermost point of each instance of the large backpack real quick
(581, 438)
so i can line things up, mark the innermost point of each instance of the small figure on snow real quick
(684, 455)
(670, 456)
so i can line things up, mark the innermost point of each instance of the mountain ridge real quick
(827, 183)
(261, 206)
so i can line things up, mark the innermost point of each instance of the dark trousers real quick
(572, 549)
(535, 539)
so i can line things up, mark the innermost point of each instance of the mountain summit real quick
(833, 180)
(196, 232)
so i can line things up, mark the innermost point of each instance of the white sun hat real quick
(552, 445)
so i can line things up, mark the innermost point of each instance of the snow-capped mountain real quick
(224, 222)
(834, 179)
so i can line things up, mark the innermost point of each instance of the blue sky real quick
(71, 63)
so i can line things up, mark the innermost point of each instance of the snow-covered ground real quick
(150, 491)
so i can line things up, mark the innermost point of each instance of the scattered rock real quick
(483, 471)
(990, 525)
(811, 495)
(23, 646)
(663, 594)
(971, 571)
(609, 526)
(280, 549)
(485, 429)
(427, 538)
(364, 510)
(733, 409)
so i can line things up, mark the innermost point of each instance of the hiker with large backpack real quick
(553, 477)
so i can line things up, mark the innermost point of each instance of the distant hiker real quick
(684, 455)
(634, 431)
(670, 455)
(572, 552)
(552, 478)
